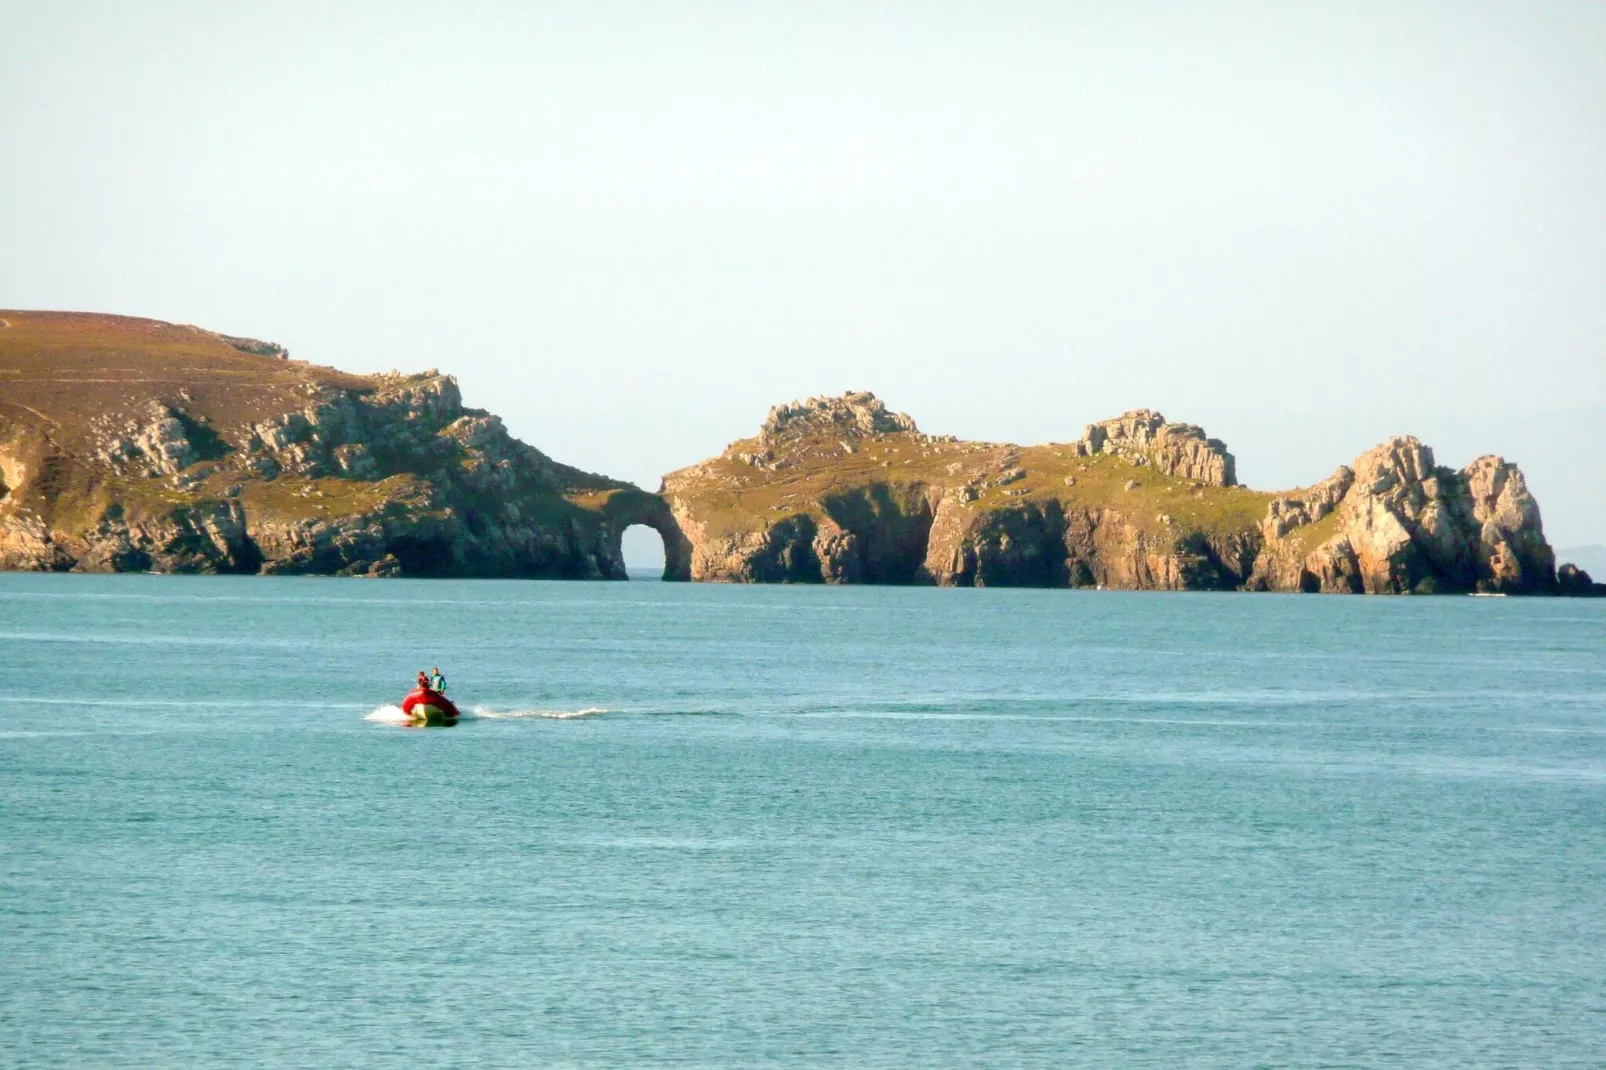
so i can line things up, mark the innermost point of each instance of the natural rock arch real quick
(630, 507)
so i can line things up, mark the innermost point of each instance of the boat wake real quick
(488, 714)
(393, 714)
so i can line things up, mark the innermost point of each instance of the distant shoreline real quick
(134, 445)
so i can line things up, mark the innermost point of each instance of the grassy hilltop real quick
(134, 444)
(734, 496)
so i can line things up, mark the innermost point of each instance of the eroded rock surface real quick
(856, 414)
(1400, 523)
(1144, 437)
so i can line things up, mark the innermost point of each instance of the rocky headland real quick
(842, 490)
(135, 445)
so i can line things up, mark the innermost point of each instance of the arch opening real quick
(644, 551)
(628, 513)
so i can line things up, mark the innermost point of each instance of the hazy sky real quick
(631, 228)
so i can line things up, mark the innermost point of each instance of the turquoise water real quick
(854, 827)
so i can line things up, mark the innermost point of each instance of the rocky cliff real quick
(1395, 522)
(133, 445)
(841, 490)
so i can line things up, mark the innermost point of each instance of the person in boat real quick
(426, 705)
(437, 682)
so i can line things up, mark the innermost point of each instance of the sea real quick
(755, 826)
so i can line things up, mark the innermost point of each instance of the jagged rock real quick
(1512, 554)
(1404, 525)
(156, 444)
(257, 346)
(354, 459)
(1574, 581)
(1307, 507)
(1143, 436)
(852, 415)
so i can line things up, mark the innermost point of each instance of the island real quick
(842, 490)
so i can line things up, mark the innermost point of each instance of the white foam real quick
(394, 715)
(489, 714)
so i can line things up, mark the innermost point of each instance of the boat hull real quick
(430, 715)
(424, 708)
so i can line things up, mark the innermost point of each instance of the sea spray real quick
(389, 714)
(486, 713)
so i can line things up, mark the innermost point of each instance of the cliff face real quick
(840, 490)
(131, 445)
(1397, 523)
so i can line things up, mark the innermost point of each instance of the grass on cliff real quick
(734, 496)
(289, 498)
(61, 373)
(78, 505)
(293, 498)
(69, 381)
(1303, 540)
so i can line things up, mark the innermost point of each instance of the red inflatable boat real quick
(426, 707)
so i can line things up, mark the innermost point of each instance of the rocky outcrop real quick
(791, 433)
(1144, 437)
(1402, 524)
(1575, 581)
(854, 414)
(228, 457)
(257, 346)
(841, 490)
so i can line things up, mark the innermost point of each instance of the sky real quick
(629, 229)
